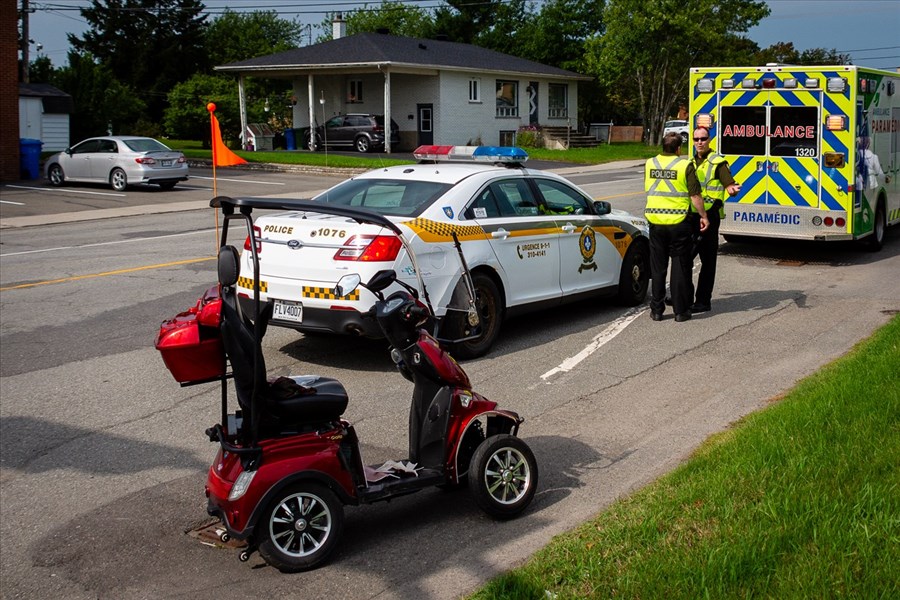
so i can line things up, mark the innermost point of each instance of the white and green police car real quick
(530, 238)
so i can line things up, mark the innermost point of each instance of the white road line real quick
(65, 191)
(11, 202)
(607, 335)
(158, 237)
(240, 180)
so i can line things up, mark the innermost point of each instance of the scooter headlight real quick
(241, 486)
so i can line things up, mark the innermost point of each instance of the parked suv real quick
(360, 131)
(677, 126)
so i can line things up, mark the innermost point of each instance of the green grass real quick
(800, 500)
(600, 154)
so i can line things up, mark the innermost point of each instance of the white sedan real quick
(118, 161)
(530, 238)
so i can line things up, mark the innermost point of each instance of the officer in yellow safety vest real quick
(715, 181)
(672, 187)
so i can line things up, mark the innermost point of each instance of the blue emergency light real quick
(502, 154)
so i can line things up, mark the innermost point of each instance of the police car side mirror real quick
(602, 207)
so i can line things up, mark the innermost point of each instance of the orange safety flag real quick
(222, 155)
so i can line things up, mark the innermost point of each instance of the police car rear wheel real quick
(635, 275)
(489, 304)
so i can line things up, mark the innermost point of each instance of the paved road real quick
(102, 458)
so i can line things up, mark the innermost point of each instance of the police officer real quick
(672, 187)
(715, 180)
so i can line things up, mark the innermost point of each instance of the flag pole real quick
(212, 138)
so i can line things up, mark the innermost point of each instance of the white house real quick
(438, 92)
(44, 115)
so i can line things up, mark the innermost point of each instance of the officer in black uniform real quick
(672, 187)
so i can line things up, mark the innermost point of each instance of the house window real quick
(508, 138)
(355, 91)
(474, 90)
(507, 98)
(559, 101)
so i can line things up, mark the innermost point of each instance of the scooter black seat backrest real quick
(238, 334)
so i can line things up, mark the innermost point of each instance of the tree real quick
(650, 45)
(556, 35)
(187, 117)
(785, 53)
(149, 45)
(102, 103)
(234, 36)
(393, 15)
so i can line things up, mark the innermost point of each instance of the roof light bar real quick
(727, 84)
(790, 83)
(748, 83)
(705, 85)
(509, 154)
(812, 83)
(835, 84)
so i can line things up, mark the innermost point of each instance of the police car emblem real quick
(448, 210)
(294, 244)
(588, 244)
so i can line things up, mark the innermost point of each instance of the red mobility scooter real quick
(287, 462)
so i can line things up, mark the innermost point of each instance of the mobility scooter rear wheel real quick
(503, 476)
(300, 528)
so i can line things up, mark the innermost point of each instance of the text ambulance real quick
(815, 148)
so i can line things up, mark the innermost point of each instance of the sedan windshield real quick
(146, 145)
(388, 197)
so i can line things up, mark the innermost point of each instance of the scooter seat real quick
(306, 399)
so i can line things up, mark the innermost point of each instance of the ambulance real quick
(815, 148)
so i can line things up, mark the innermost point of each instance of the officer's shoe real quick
(682, 317)
(656, 316)
(697, 307)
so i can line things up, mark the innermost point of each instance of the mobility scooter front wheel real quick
(300, 528)
(503, 476)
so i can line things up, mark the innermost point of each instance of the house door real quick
(532, 102)
(425, 124)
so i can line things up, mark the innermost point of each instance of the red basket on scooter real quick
(191, 344)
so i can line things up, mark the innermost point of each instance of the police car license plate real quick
(286, 310)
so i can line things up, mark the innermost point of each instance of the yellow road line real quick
(106, 273)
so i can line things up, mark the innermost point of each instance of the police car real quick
(530, 239)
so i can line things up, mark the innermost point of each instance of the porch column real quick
(242, 108)
(387, 111)
(312, 109)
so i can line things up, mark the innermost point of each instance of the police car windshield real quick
(389, 197)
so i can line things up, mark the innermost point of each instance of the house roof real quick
(373, 50)
(54, 99)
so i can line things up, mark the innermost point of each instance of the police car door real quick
(588, 260)
(524, 241)
(772, 140)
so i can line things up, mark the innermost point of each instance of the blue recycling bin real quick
(290, 141)
(30, 158)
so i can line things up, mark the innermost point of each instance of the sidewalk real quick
(131, 211)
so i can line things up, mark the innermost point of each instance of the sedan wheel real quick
(489, 304)
(56, 176)
(118, 180)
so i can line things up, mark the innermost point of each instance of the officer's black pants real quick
(708, 251)
(675, 242)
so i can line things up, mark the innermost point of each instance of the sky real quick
(868, 30)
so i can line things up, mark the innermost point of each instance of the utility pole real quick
(25, 40)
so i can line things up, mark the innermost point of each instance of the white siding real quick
(55, 133)
(50, 128)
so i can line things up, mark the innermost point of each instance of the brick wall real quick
(9, 91)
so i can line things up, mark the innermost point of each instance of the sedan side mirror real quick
(602, 207)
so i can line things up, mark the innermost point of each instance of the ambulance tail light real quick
(836, 122)
(835, 160)
(370, 248)
(257, 233)
(703, 120)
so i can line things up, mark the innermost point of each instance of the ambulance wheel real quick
(489, 304)
(300, 528)
(118, 180)
(875, 242)
(55, 175)
(503, 476)
(634, 278)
